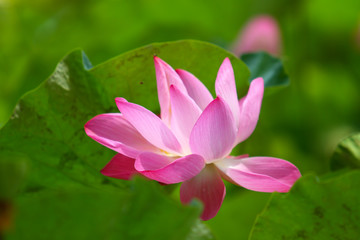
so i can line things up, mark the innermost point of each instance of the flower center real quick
(169, 154)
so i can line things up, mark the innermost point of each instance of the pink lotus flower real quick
(260, 34)
(192, 140)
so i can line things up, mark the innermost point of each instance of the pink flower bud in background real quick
(260, 34)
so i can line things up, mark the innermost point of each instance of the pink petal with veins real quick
(165, 77)
(169, 170)
(195, 88)
(121, 167)
(250, 109)
(214, 132)
(149, 126)
(208, 187)
(226, 89)
(115, 132)
(185, 112)
(262, 174)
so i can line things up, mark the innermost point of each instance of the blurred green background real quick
(301, 123)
